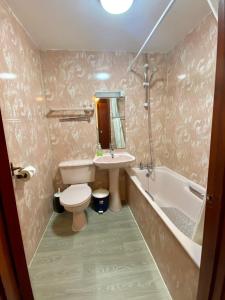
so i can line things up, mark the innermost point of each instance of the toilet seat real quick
(75, 195)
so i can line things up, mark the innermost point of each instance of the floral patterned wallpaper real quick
(181, 102)
(26, 127)
(70, 81)
(188, 102)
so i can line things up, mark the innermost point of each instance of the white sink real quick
(120, 160)
(113, 164)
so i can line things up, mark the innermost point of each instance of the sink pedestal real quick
(115, 202)
(113, 164)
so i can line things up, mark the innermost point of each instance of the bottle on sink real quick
(99, 151)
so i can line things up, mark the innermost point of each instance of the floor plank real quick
(107, 261)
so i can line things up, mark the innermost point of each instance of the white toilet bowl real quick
(76, 198)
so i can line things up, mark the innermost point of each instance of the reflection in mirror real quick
(110, 113)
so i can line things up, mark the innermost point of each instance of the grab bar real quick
(196, 192)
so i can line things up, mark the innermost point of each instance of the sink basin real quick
(120, 160)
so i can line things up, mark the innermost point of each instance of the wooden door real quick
(9, 289)
(104, 128)
(212, 271)
(2, 291)
(15, 282)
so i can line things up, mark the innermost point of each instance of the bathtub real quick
(166, 207)
(177, 202)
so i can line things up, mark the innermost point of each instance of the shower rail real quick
(214, 7)
(151, 33)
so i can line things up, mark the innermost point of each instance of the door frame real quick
(212, 270)
(19, 276)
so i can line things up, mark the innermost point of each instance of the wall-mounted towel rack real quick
(72, 114)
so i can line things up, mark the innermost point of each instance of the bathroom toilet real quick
(76, 198)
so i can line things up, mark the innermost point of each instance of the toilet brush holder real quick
(56, 203)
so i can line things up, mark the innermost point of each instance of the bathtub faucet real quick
(141, 166)
(148, 167)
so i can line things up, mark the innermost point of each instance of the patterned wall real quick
(69, 79)
(188, 102)
(25, 127)
(181, 109)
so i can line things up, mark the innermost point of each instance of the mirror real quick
(110, 114)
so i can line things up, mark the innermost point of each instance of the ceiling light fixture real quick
(116, 7)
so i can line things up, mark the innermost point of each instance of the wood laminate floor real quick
(107, 261)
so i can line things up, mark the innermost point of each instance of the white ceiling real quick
(184, 16)
(84, 25)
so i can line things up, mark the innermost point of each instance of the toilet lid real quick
(75, 195)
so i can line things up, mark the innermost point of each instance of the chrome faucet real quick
(111, 150)
(148, 167)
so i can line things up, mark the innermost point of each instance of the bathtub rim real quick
(193, 249)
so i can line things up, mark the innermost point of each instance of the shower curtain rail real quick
(214, 9)
(151, 33)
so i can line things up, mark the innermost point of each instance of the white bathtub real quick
(170, 195)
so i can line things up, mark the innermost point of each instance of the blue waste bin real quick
(100, 200)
